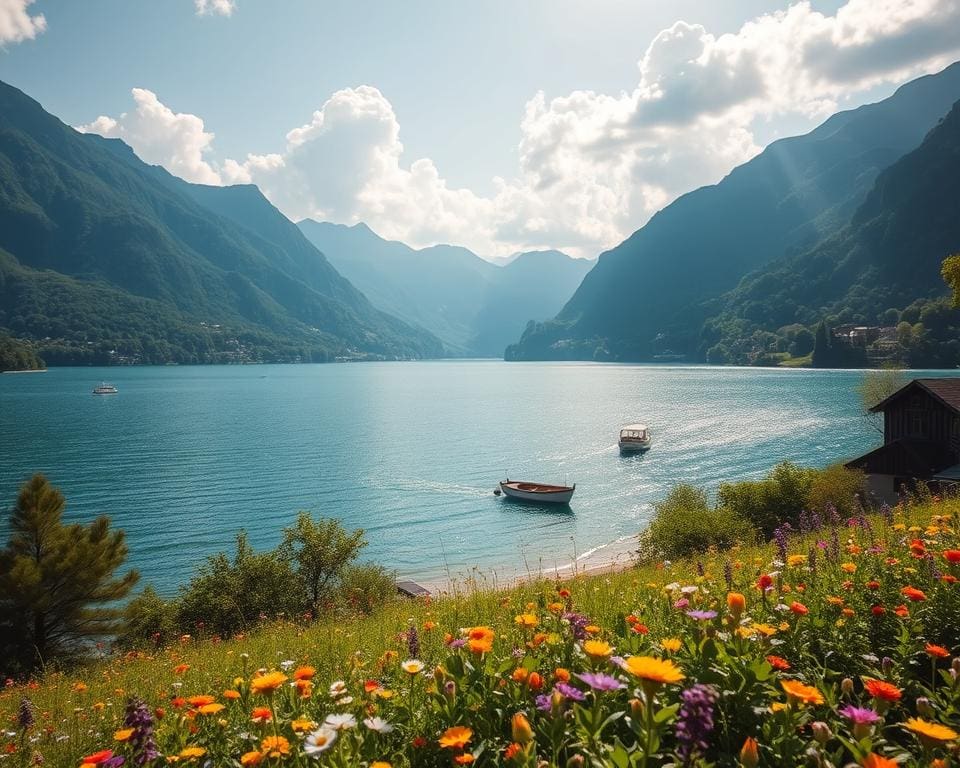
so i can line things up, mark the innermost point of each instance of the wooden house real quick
(921, 438)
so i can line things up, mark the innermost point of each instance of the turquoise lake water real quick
(184, 457)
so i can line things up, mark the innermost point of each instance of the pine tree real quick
(822, 353)
(57, 584)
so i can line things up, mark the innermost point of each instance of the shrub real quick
(835, 485)
(148, 618)
(766, 503)
(684, 524)
(364, 588)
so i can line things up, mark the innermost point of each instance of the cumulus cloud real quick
(160, 136)
(593, 167)
(219, 7)
(16, 24)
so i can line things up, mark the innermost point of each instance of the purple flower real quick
(457, 643)
(728, 574)
(702, 615)
(681, 603)
(413, 642)
(695, 721)
(25, 718)
(544, 702)
(578, 624)
(599, 681)
(859, 715)
(142, 741)
(780, 535)
(569, 692)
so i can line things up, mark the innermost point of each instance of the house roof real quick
(946, 390)
(916, 458)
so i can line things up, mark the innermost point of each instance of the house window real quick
(916, 425)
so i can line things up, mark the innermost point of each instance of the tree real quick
(950, 271)
(876, 386)
(321, 549)
(57, 588)
(822, 357)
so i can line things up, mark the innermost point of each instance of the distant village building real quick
(921, 438)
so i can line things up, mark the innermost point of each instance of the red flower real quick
(952, 555)
(764, 582)
(917, 548)
(914, 594)
(878, 610)
(901, 611)
(640, 629)
(873, 585)
(949, 578)
(879, 689)
(799, 608)
(778, 663)
(937, 651)
(98, 757)
(419, 742)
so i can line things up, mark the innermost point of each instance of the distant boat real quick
(105, 389)
(634, 438)
(541, 492)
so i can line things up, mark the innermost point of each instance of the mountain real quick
(883, 268)
(650, 295)
(105, 254)
(474, 306)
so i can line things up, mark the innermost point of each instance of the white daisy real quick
(377, 724)
(337, 688)
(340, 722)
(319, 741)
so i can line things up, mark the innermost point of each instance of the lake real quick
(184, 457)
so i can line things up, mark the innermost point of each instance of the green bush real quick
(766, 503)
(834, 485)
(364, 588)
(684, 524)
(148, 618)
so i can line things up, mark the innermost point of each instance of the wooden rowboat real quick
(539, 492)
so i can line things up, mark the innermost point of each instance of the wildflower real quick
(97, 758)
(659, 671)
(231, 694)
(526, 620)
(456, 737)
(848, 567)
(561, 674)
(765, 582)
(914, 594)
(200, 701)
(465, 759)
(794, 561)
(599, 681)
(936, 651)
(952, 556)
(319, 741)
(25, 718)
(520, 729)
(302, 725)
(211, 709)
(275, 746)
(800, 693)
(377, 724)
(261, 715)
(80, 687)
(143, 744)
(671, 644)
(736, 603)
(188, 753)
(799, 608)
(569, 692)
(254, 757)
(535, 681)
(778, 663)
(480, 640)
(882, 691)
(340, 722)
(413, 641)
(304, 673)
(749, 756)
(380, 764)
(930, 734)
(123, 734)
(597, 649)
(902, 611)
(702, 615)
(267, 683)
(695, 720)
(862, 719)
(412, 666)
(873, 760)
(512, 751)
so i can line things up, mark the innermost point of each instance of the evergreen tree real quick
(822, 353)
(57, 588)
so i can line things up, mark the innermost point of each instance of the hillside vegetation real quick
(833, 645)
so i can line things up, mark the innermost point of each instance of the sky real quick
(501, 125)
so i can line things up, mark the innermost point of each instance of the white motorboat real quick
(634, 438)
(539, 492)
(104, 389)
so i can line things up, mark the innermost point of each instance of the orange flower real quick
(799, 608)
(655, 670)
(480, 639)
(211, 709)
(736, 603)
(914, 594)
(930, 734)
(304, 688)
(803, 694)
(275, 746)
(200, 701)
(465, 759)
(902, 611)
(535, 681)
(520, 729)
(231, 694)
(880, 689)
(97, 757)
(512, 751)
(749, 756)
(525, 620)
(561, 674)
(304, 673)
(251, 758)
(778, 663)
(428, 626)
(261, 715)
(952, 555)
(937, 651)
(873, 760)
(597, 649)
(123, 734)
(456, 737)
(180, 669)
(268, 683)
(520, 675)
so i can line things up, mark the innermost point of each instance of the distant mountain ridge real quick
(474, 306)
(192, 273)
(651, 294)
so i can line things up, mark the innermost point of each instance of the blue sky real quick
(499, 125)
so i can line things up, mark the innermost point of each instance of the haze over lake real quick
(184, 457)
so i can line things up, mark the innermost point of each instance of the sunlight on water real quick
(184, 457)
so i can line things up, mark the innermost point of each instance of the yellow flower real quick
(302, 725)
(930, 733)
(380, 764)
(526, 620)
(796, 560)
(275, 746)
(210, 709)
(268, 683)
(123, 735)
(597, 649)
(456, 737)
(671, 644)
(848, 567)
(591, 629)
(653, 669)
(187, 753)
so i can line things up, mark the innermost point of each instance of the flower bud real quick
(924, 707)
(737, 604)
(576, 761)
(821, 732)
(450, 690)
(955, 664)
(846, 686)
(636, 709)
(749, 756)
(520, 729)
(886, 664)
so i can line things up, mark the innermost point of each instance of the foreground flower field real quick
(831, 646)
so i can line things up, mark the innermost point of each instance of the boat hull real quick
(634, 446)
(537, 493)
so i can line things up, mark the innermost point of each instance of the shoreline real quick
(611, 557)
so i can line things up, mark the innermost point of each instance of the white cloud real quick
(219, 7)
(593, 167)
(160, 136)
(16, 25)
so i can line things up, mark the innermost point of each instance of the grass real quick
(820, 618)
